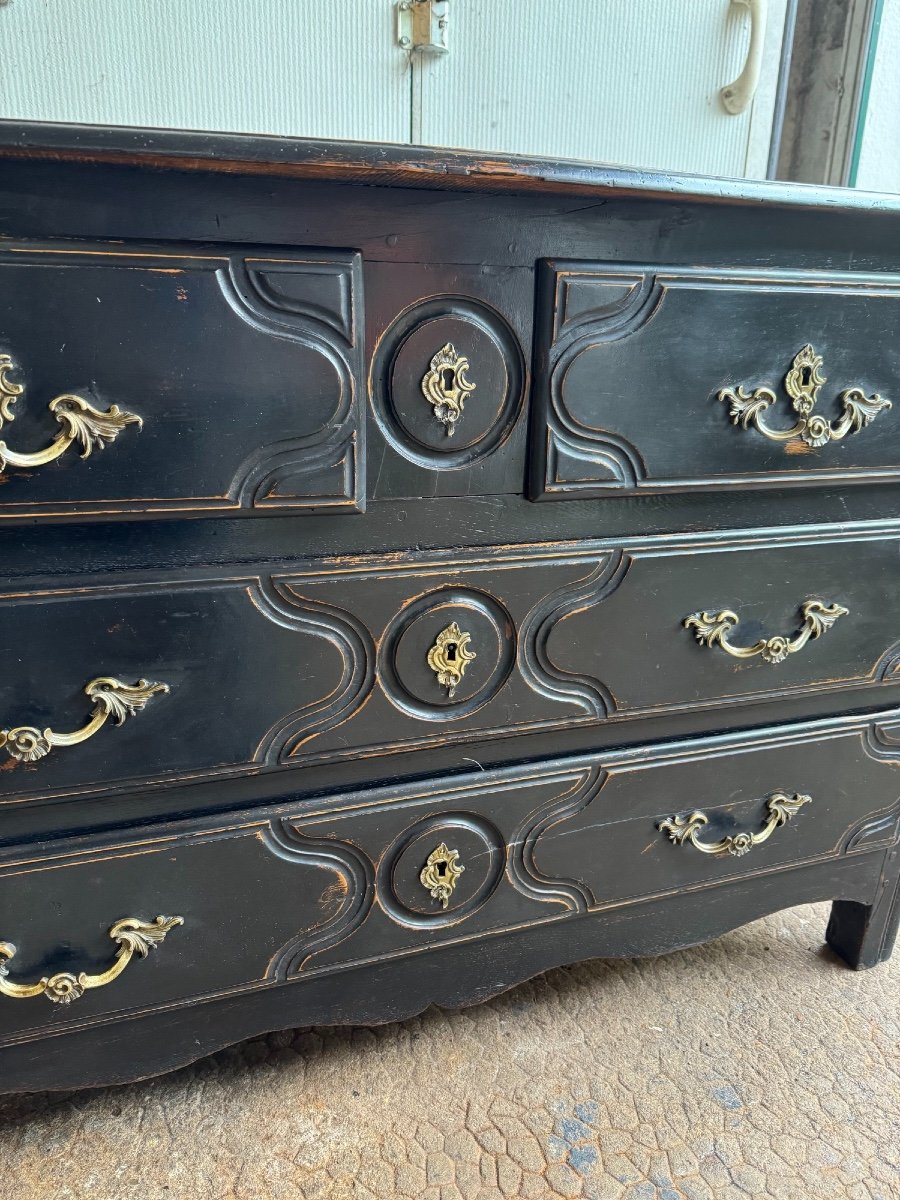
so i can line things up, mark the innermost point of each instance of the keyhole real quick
(806, 376)
(442, 869)
(451, 652)
(448, 375)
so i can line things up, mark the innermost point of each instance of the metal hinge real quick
(422, 25)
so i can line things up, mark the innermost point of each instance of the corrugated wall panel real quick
(290, 67)
(625, 81)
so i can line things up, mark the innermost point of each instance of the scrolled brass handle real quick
(684, 828)
(802, 382)
(111, 697)
(132, 935)
(80, 421)
(712, 629)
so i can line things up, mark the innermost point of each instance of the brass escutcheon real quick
(450, 655)
(440, 873)
(446, 387)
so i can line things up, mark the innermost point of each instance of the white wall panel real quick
(879, 161)
(294, 67)
(626, 81)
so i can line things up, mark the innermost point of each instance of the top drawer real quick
(212, 380)
(652, 379)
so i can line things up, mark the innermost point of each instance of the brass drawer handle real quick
(780, 806)
(111, 697)
(81, 422)
(712, 629)
(802, 384)
(133, 937)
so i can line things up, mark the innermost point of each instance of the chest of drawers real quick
(423, 570)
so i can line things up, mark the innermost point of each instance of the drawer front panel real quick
(253, 673)
(241, 895)
(448, 377)
(212, 380)
(669, 380)
(372, 876)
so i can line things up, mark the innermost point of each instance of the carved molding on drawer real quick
(535, 663)
(421, 699)
(881, 742)
(353, 642)
(415, 408)
(408, 893)
(272, 476)
(887, 669)
(525, 872)
(875, 833)
(354, 887)
(588, 310)
(615, 343)
(245, 365)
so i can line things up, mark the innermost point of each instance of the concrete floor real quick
(752, 1067)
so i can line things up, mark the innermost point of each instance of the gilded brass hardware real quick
(802, 384)
(132, 935)
(446, 387)
(81, 422)
(780, 807)
(450, 655)
(111, 697)
(712, 629)
(440, 873)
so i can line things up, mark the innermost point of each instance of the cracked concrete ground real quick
(755, 1066)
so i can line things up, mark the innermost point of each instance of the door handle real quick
(737, 96)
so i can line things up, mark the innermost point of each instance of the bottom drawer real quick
(304, 888)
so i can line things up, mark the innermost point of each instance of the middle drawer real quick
(376, 656)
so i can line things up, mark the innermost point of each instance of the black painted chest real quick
(423, 570)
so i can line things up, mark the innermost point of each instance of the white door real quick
(302, 68)
(628, 81)
(623, 81)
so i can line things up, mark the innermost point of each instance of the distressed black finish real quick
(287, 534)
(678, 337)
